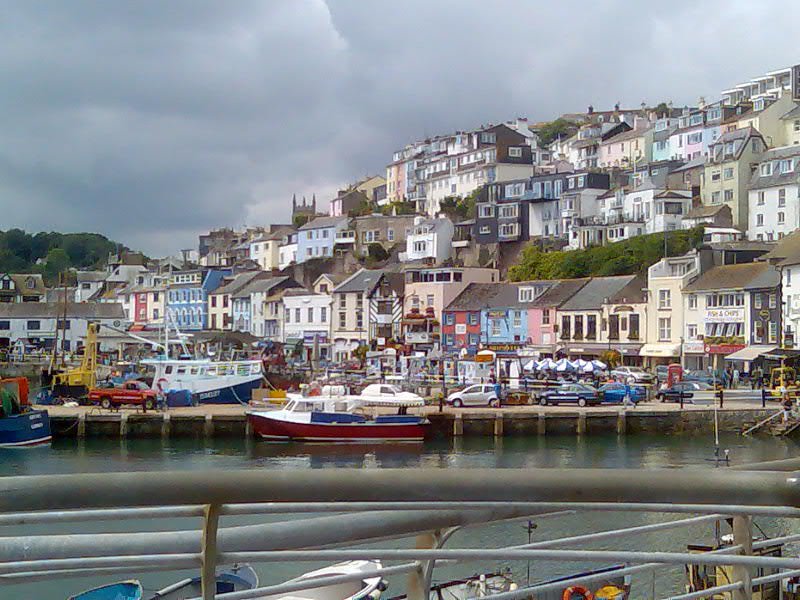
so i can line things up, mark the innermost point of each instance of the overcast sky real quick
(152, 121)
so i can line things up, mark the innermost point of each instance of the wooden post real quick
(542, 425)
(498, 425)
(208, 426)
(581, 423)
(743, 536)
(81, 425)
(208, 570)
(458, 425)
(123, 425)
(622, 422)
(165, 427)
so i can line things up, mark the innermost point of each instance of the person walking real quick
(735, 380)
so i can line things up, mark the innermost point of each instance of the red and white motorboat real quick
(339, 419)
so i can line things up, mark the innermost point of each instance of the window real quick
(296, 315)
(591, 327)
(715, 196)
(488, 138)
(781, 218)
(782, 197)
(5, 325)
(342, 320)
(323, 314)
(757, 301)
(633, 331)
(664, 329)
(473, 318)
(485, 230)
(430, 299)
(213, 302)
(691, 331)
(311, 315)
(761, 198)
(715, 175)
(565, 327)
(786, 165)
(359, 319)
(62, 324)
(766, 169)
(509, 212)
(390, 235)
(692, 300)
(473, 339)
(728, 195)
(773, 300)
(760, 220)
(578, 333)
(517, 319)
(546, 316)
(773, 332)
(727, 173)
(664, 299)
(514, 152)
(495, 327)
(33, 325)
(485, 211)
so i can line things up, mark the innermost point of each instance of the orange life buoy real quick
(576, 592)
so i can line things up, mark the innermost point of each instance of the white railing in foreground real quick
(357, 506)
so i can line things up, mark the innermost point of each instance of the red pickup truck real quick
(130, 392)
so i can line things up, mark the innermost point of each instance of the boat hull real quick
(231, 394)
(27, 429)
(270, 428)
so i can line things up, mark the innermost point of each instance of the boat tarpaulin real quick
(749, 353)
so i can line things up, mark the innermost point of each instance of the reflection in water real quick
(608, 451)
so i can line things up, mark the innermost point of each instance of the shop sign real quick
(763, 313)
(461, 328)
(723, 348)
(497, 314)
(725, 315)
(309, 336)
(694, 347)
(503, 347)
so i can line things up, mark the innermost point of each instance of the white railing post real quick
(208, 570)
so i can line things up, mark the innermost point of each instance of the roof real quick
(663, 134)
(435, 224)
(363, 280)
(479, 296)
(705, 211)
(633, 293)
(335, 278)
(595, 293)
(20, 281)
(301, 292)
(628, 135)
(793, 114)
(321, 222)
(786, 251)
(776, 177)
(753, 275)
(562, 291)
(238, 282)
(737, 134)
(700, 161)
(260, 285)
(680, 194)
(84, 276)
(44, 310)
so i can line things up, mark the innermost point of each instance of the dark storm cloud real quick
(154, 121)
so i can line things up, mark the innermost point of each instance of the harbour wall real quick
(494, 423)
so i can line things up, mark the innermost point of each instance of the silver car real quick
(633, 375)
(475, 395)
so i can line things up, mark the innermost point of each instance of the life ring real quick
(576, 592)
(160, 384)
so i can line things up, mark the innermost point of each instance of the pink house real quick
(542, 314)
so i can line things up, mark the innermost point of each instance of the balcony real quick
(346, 237)
(418, 337)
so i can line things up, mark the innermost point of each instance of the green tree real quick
(299, 220)
(560, 128)
(57, 261)
(377, 253)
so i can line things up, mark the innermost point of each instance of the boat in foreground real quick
(236, 579)
(368, 587)
(21, 425)
(124, 590)
(339, 419)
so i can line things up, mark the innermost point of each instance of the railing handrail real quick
(761, 423)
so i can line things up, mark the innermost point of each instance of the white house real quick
(774, 194)
(287, 251)
(89, 283)
(34, 323)
(430, 239)
(307, 318)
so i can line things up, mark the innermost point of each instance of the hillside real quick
(52, 253)
(621, 258)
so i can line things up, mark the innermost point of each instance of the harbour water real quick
(97, 455)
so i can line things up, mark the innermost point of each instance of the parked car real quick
(633, 375)
(130, 392)
(390, 392)
(702, 377)
(614, 393)
(475, 395)
(572, 393)
(690, 387)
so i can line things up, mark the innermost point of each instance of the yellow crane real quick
(84, 375)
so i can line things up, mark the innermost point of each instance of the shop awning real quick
(750, 353)
(660, 350)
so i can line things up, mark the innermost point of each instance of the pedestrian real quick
(787, 405)
(627, 400)
(735, 383)
(728, 377)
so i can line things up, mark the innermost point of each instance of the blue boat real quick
(125, 590)
(20, 425)
(235, 579)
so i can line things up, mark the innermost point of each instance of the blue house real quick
(317, 238)
(187, 297)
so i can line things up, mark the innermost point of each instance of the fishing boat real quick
(124, 590)
(339, 418)
(361, 589)
(21, 425)
(209, 382)
(235, 579)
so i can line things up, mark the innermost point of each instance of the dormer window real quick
(766, 169)
(30, 283)
(758, 104)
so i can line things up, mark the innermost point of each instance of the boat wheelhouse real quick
(209, 382)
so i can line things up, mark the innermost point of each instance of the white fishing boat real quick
(367, 588)
(209, 382)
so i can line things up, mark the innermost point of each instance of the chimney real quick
(591, 110)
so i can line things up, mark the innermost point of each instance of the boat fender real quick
(382, 585)
(576, 592)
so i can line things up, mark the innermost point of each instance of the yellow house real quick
(767, 117)
(791, 124)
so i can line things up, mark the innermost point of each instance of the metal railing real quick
(357, 506)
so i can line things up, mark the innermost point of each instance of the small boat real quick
(369, 587)
(338, 419)
(236, 579)
(21, 425)
(210, 382)
(124, 590)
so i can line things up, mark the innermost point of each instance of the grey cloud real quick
(152, 122)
